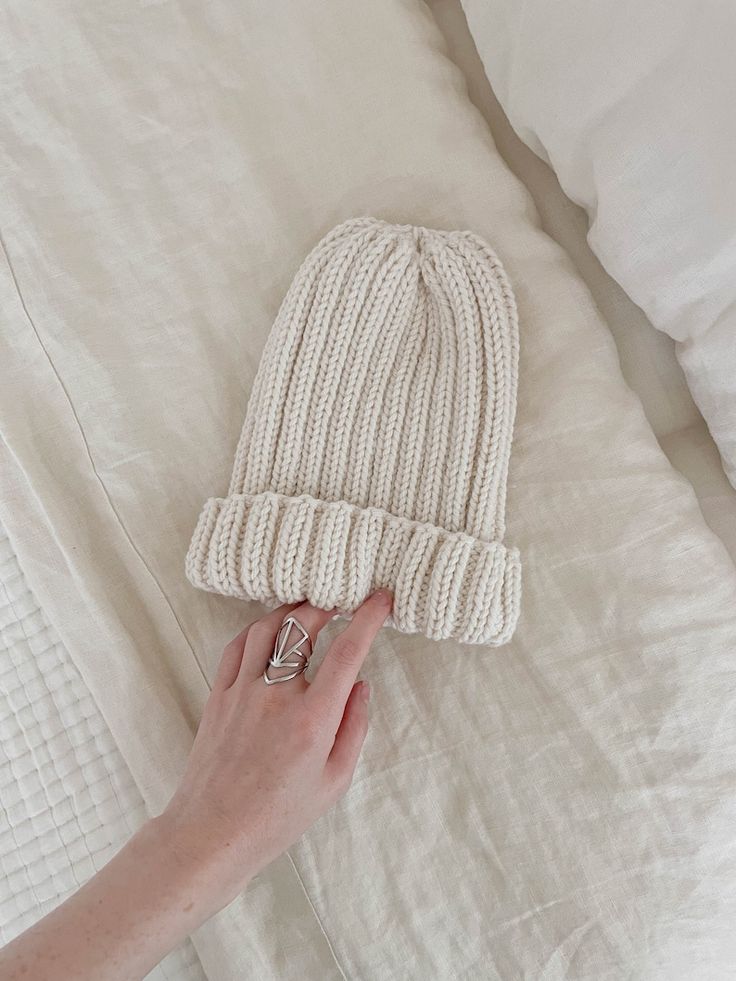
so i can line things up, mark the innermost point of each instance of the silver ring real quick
(292, 649)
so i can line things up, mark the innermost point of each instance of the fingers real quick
(349, 738)
(232, 656)
(343, 660)
(247, 654)
(229, 666)
(261, 637)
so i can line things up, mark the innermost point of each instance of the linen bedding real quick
(559, 808)
(648, 357)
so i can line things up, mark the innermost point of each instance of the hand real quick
(268, 760)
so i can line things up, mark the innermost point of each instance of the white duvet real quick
(558, 808)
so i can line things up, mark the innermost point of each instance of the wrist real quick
(201, 866)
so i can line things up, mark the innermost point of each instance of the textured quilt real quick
(558, 808)
(67, 799)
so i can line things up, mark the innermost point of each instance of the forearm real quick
(123, 921)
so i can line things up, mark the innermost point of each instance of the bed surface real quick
(582, 768)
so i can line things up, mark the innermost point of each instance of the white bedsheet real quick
(556, 809)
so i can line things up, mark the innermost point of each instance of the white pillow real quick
(633, 107)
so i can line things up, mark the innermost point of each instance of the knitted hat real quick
(376, 443)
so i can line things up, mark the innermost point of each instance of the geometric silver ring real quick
(292, 650)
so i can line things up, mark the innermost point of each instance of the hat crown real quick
(389, 379)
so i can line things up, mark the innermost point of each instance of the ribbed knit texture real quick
(376, 443)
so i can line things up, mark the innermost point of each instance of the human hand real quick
(268, 760)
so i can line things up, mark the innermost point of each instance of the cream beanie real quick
(376, 442)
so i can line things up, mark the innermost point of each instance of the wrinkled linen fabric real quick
(632, 105)
(561, 807)
(648, 359)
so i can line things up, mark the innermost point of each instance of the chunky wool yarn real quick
(376, 444)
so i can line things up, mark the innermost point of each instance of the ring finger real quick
(261, 640)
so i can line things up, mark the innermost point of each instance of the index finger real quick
(336, 674)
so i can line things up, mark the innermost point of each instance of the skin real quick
(267, 761)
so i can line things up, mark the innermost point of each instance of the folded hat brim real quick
(278, 549)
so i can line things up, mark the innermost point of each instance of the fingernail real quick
(384, 596)
(365, 691)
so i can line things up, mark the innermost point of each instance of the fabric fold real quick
(282, 549)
